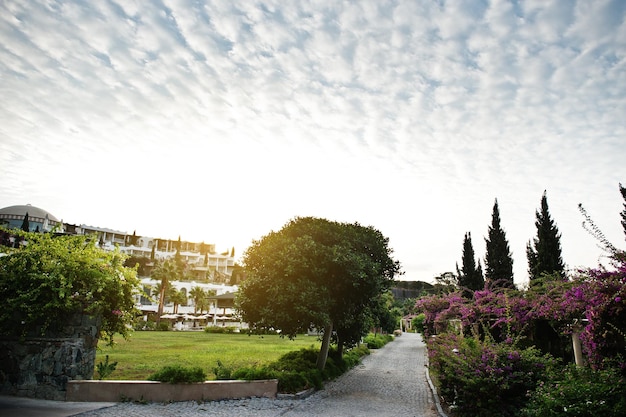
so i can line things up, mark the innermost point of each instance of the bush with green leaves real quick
(377, 341)
(220, 329)
(580, 392)
(352, 357)
(50, 279)
(485, 379)
(176, 374)
(297, 371)
(418, 323)
(105, 368)
(222, 371)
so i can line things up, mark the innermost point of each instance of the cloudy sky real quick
(221, 121)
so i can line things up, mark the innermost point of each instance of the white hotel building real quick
(209, 270)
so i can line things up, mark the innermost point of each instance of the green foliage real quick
(52, 278)
(470, 276)
(139, 262)
(481, 379)
(313, 273)
(418, 323)
(221, 371)
(297, 371)
(220, 329)
(580, 392)
(544, 253)
(377, 341)
(105, 368)
(498, 260)
(252, 373)
(176, 374)
(163, 326)
(352, 357)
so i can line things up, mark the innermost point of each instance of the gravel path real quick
(389, 382)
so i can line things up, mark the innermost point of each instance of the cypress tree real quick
(498, 261)
(544, 252)
(26, 223)
(470, 277)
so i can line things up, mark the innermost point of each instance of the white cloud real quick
(410, 116)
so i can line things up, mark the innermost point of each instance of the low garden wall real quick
(152, 391)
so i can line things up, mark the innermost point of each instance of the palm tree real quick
(198, 295)
(178, 298)
(166, 272)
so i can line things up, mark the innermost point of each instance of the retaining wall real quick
(41, 366)
(152, 391)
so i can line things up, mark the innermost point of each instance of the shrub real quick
(579, 392)
(254, 373)
(54, 278)
(377, 341)
(297, 360)
(140, 324)
(292, 382)
(222, 372)
(177, 374)
(297, 370)
(105, 369)
(163, 326)
(486, 380)
(418, 323)
(352, 357)
(220, 329)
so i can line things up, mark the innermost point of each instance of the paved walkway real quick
(29, 407)
(389, 382)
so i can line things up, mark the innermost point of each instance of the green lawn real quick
(147, 352)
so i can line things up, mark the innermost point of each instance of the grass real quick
(148, 352)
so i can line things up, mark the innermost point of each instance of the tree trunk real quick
(161, 302)
(323, 355)
(339, 348)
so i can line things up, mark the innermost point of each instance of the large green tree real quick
(498, 260)
(316, 273)
(470, 276)
(544, 252)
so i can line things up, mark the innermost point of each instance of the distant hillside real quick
(410, 289)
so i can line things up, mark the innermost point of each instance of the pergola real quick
(223, 301)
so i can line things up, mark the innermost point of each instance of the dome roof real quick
(33, 212)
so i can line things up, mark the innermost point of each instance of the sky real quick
(221, 121)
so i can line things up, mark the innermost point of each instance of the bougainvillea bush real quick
(475, 338)
(48, 279)
(600, 296)
(483, 379)
(592, 302)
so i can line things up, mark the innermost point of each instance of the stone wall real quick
(41, 366)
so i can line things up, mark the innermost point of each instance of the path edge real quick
(434, 393)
